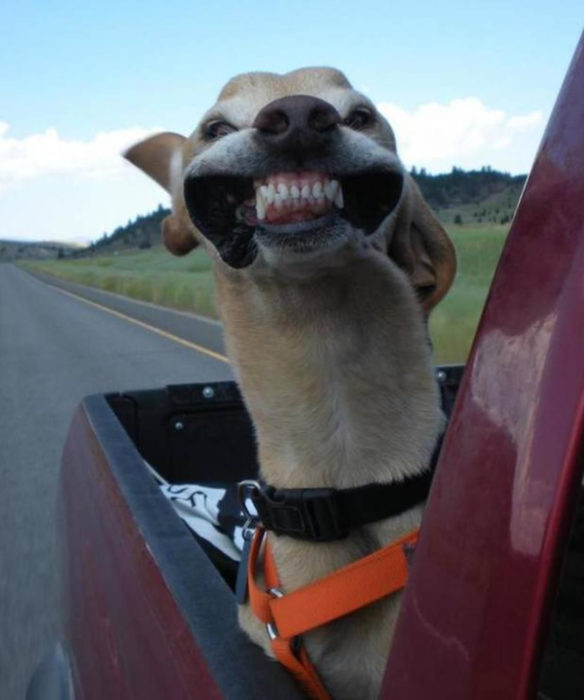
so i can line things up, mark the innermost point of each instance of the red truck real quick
(494, 607)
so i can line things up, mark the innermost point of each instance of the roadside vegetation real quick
(454, 321)
(476, 208)
(155, 276)
(152, 275)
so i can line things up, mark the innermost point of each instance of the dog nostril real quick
(273, 121)
(323, 118)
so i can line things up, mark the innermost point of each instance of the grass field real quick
(187, 283)
(453, 323)
(150, 275)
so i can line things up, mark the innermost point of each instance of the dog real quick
(327, 262)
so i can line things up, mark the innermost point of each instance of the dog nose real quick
(297, 123)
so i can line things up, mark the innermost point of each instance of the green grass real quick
(187, 283)
(453, 323)
(153, 275)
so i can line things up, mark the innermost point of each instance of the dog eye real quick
(215, 130)
(359, 118)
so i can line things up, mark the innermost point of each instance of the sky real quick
(463, 83)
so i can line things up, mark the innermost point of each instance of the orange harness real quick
(287, 616)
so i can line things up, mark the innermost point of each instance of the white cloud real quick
(464, 132)
(47, 153)
(66, 189)
(54, 188)
(525, 122)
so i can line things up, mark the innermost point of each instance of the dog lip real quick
(295, 227)
(302, 237)
(222, 208)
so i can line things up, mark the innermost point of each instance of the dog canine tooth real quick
(260, 207)
(330, 189)
(339, 202)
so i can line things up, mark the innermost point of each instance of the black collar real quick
(322, 515)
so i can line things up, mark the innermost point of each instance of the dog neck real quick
(336, 372)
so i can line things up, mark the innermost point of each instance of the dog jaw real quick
(243, 205)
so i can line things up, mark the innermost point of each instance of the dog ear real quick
(160, 157)
(155, 156)
(421, 247)
(178, 237)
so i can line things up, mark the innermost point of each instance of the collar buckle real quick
(312, 514)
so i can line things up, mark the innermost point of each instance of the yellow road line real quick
(158, 331)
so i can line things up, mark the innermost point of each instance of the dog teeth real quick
(330, 189)
(296, 192)
(260, 208)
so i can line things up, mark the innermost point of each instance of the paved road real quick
(55, 349)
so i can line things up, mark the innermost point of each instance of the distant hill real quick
(142, 232)
(461, 197)
(35, 250)
(471, 197)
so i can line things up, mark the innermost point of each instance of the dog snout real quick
(298, 123)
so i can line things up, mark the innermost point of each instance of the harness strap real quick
(342, 592)
(301, 667)
(296, 661)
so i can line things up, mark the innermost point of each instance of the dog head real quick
(295, 169)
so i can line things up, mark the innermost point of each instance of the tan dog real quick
(327, 261)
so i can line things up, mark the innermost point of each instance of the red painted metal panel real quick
(126, 635)
(477, 604)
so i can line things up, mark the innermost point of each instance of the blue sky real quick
(463, 83)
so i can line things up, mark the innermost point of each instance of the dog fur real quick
(328, 342)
